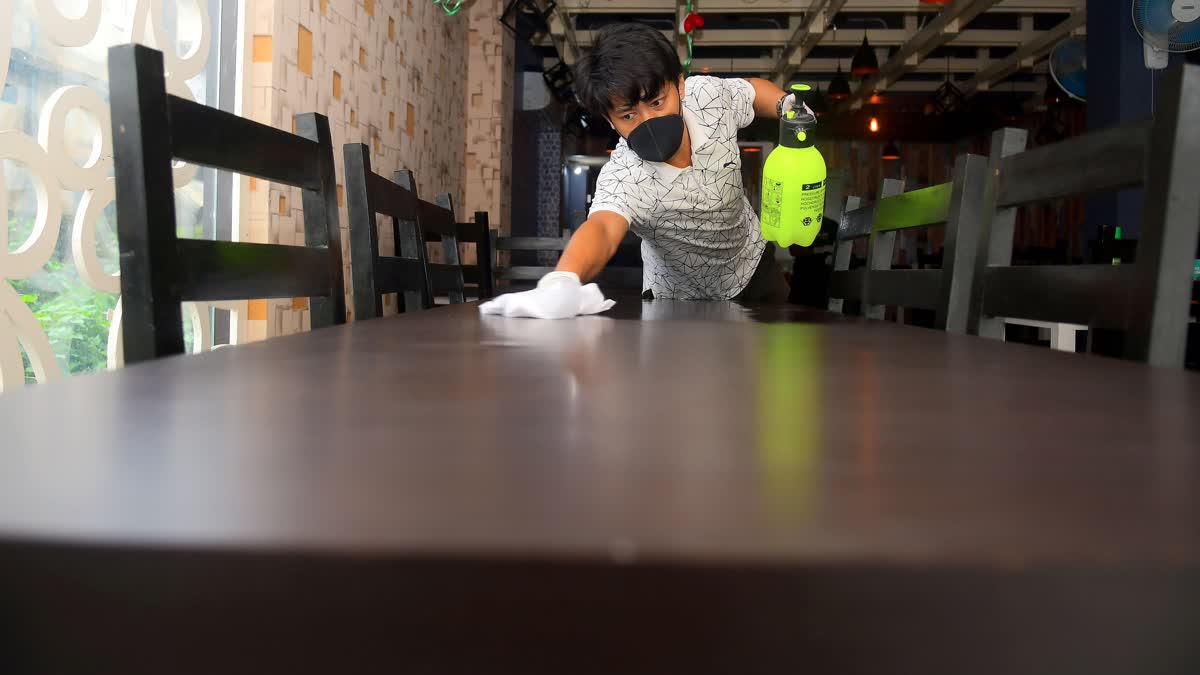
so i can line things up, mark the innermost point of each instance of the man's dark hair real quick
(628, 62)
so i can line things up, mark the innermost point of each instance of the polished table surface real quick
(673, 487)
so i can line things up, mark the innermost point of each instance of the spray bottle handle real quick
(803, 92)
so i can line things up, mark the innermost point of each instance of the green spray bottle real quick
(793, 187)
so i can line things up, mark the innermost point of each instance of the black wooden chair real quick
(945, 291)
(374, 275)
(1147, 300)
(158, 270)
(440, 225)
(857, 222)
(479, 278)
(514, 277)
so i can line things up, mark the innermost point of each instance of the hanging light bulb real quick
(891, 152)
(839, 87)
(874, 125)
(865, 62)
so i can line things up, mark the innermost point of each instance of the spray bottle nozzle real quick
(802, 115)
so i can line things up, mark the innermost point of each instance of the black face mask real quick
(658, 138)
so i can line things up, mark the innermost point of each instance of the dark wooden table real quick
(717, 491)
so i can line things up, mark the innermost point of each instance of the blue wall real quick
(1119, 91)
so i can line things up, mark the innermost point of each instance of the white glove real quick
(559, 295)
(791, 103)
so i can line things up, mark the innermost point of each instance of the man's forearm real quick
(588, 252)
(766, 97)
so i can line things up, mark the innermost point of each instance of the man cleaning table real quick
(675, 178)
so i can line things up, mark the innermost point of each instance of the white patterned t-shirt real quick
(700, 236)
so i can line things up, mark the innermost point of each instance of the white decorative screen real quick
(59, 308)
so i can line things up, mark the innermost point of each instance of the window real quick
(58, 250)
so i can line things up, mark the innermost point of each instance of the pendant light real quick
(839, 87)
(948, 97)
(865, 61)
(891, 152)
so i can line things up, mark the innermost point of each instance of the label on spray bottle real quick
(812, 203)
(809, 206)
(772, 206)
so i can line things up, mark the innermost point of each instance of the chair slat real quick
(994, 244)
(906, 288)
(445, 276)
(622, 276)
(1083, 294)
(151, 318)
(847, 284)
(551, 243)
(524, 272)
(437, 220)
(221, 270)
(856, 223)
(391, 199)
(470, 233)
(466, 233)
(1163, 288)
(485, 255)
(918, 208)
(879, 250)
(841, 257)
(215, 138)
(397, 275)
(1105, 160)
(452, 283)
(531, 243)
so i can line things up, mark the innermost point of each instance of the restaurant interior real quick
(600, 336)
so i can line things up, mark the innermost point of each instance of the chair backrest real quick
(439, 224)
(1148, 300)
(856, 222)
(945, 291)
(624, 277)
(158, 270)
(480, 275)
(374, 275)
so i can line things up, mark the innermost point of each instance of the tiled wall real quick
(388, 73)
(490, 114)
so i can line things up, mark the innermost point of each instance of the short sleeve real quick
(614, 192)
(741, 100)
